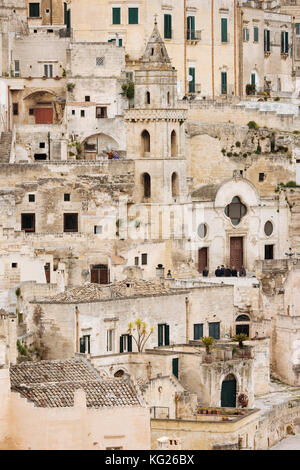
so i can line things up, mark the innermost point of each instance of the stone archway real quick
(98, 145)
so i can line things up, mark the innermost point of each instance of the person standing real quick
(205, 272)
(227, 272)
(218, 272)
(233, 272)
(242, 272)
(222, 271)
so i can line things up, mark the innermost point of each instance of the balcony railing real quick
(193, 35)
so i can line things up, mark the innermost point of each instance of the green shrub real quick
(258, 150)
(18, 291)
(277, 98)
(238, 144)
(253, 125)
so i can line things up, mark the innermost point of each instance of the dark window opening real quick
(31, 198)
(163, 335)
(82, 113)
(235, 210)
(28, 222)
(15, 109)
(198, 331)
(42, 145)
(101, 112)
(214, 330)
(125, 343)
(147, 185)
(87, 98)
(145, 142)
(269, 251)
(47, 272)
(67, 197)
(85, 344)
(49, 30)
(144, 259)
(31, 112)
(136, 261)
(34, 10)
(148, 99)
(100, 274)
(73, 112)
(40, 156)
(261, 177)
(97, 229)
(14, 265)
(70, 222)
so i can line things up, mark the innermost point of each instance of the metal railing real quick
(193, 35)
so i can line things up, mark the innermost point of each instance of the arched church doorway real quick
(228, 392)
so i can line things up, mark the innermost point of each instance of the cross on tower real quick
(155, 19)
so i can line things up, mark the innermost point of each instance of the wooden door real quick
(104, 276)
(43, 115)
(228, 393)
(236, 252)
(95, 276)
(202, 259)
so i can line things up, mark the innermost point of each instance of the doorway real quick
(43, 115)
(202, 259)
(236, 252)
(228, 392)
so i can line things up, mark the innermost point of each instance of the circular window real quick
(268, 228)
(202, 230)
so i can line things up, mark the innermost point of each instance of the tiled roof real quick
(53, 383)
(117, 290)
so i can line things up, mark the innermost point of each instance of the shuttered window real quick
(267, 40)
(246, 34)
(223, 83)
(198, 331)
(175, 368)
(255, 34)
(163, 335)
(133, 16)
(214, 330)
(190, 27)
(168, 26)
(284, 42)
(224, 36)
(297, 29)
(192, 74)
(116, 16)
(125, 343)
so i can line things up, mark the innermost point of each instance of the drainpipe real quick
(77, 328)
(185, 47)
(51, 18)
(212, 49)
(187, 320)
(8, 108)
(234, 48)
(48, 145)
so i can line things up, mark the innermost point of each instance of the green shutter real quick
(133, 16)
(168, 26)
(175, 367)
(116, 16)
(121, 344)
(120, 42)
(286, 42)
(192, 83)
(82, 345)
(253, 82)
(198, 331)
(224, 83)
(160, 335)
(214, 330)
(255, 33)
(224, 29)
(129, 339)
(167, 335)
(190, 27)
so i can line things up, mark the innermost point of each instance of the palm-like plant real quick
(208, 341)
(240, 338)
(142, 333)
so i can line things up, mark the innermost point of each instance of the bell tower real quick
(156, 129)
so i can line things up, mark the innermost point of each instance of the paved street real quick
(290, 443)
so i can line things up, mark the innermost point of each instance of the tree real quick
(208, 341)
(142, 333)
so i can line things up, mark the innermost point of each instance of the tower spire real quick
(156, 55)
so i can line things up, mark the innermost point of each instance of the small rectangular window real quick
(267, 43)
(198, 331)
(223, 83)
(214, 330)
(99, 61)
(261, 177)
(28, 222)
(34, 10)
(17, 68)
(31, 112)
(116, 15)
(48, 70)
(98, 229)
(120, 42)
(136, 261)
(87, 98)
(73, 112)
(255, 34)
(144, 259)
(14, 265)
(67, 197)
(297, 29)
(15, 109)
(42, 145)
(245, 34)
(70, 222)
(163, 335)
(133, 16)
(192, 80)
(109, 340)
(168, 26)
(31, 198)
(82, 113)
(101, 112)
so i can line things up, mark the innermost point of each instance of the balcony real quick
(193, 36)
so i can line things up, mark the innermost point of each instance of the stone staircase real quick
(5, 147)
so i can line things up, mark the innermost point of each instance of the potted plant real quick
(240, 338)
(208, 341)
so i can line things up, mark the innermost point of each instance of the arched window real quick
(175, 185)
(145, 142)
(242, 318)
(148, 100)
(119, 373)
(168, 97)
(235, 210)
(268, 228)
(173, 144)
(146, 185)
(242, 325)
